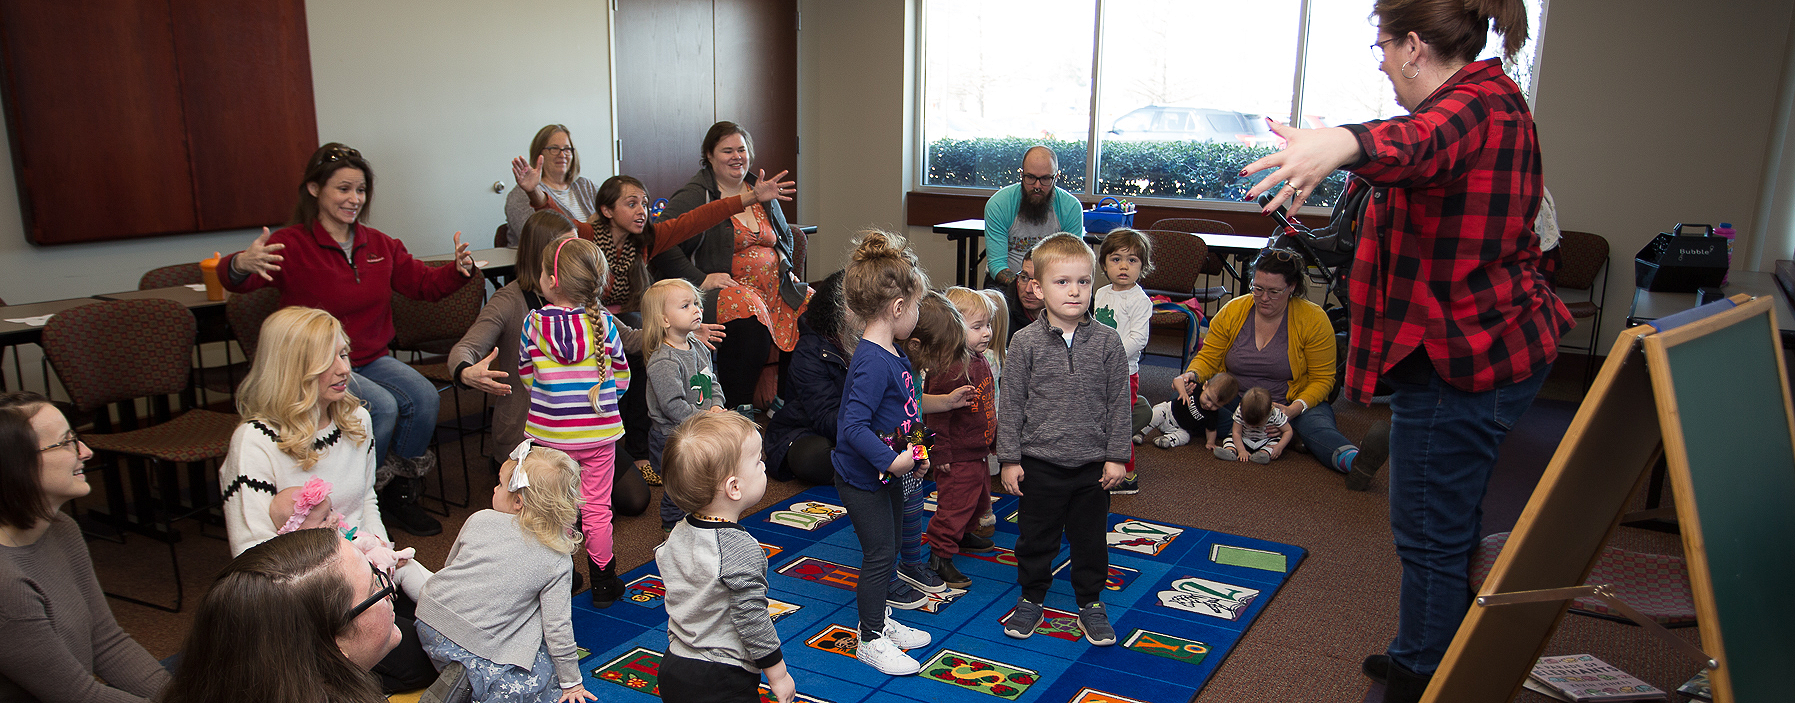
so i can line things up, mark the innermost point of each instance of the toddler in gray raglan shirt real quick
(681, 382)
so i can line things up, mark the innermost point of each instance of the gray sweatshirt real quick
(502, 593)
(716, 579)
(680, 383)
(1065, 405)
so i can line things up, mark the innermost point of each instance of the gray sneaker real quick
(1226, 454)
(1025, 618)
(921, 577)
(1094, 620)
(451, 686)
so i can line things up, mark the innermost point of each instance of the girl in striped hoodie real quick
(572, 362)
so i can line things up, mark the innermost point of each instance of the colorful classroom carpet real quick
(1179, 597)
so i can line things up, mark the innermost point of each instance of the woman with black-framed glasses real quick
(549, 179)
(1280, 341)
(299, 618)
(327, 258)
(59, 631)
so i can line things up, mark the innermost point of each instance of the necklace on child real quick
(708, 518)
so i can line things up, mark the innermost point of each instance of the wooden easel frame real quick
(1629, 413)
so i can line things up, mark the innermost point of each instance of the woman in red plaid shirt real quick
(1448, 305)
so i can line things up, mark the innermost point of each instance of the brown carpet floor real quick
(1338, 607)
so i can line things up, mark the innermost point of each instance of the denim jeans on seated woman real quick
(403, 404)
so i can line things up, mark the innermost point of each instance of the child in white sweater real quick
(498, 618)
(1126, 257)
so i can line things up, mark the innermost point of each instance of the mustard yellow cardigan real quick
(1310, 344)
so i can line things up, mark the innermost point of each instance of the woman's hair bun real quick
(878, 244)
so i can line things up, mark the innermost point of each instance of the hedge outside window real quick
(1180, 95)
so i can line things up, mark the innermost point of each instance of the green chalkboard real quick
(1731, 407)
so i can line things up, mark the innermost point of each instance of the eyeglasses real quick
(1377, 49)
(1031, 179)
(386, 592)
(1267, 292)
(74, 438)
(558, 150)
(339, 153)
(1279, 253)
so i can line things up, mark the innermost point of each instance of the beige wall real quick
(438, 95)
(1656, 112)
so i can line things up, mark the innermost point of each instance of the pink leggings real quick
(596, 466)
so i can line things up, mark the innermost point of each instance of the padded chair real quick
(1212, 264)
(112, 353)
(1178, 259)
(429, 331)
(502, 238)
(1585, 268)
(1656, 585)
(246, 313)
(171, 276)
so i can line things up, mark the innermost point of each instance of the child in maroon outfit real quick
(964, 437)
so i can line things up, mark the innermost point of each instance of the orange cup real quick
(208, 269)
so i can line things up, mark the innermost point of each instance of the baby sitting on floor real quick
(1178, 420)
(308, 506)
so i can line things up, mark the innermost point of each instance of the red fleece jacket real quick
(316, 274)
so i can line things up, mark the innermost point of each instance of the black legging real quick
(741, 357)
(635, 401)
(629, 491)
(808, 460)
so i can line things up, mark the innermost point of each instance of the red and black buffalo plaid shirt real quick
(1447, 258)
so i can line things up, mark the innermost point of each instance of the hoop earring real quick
(1405, 65)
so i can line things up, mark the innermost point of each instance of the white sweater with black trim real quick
(256, 469)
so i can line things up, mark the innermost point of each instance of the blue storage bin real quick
(1103, 218)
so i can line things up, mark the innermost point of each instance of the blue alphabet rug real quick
(1179, 597)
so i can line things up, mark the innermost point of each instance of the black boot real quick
(1404, 686)
(399, 507)
(606, 587)
(1376, 668)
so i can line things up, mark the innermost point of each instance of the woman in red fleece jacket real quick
(329, 260)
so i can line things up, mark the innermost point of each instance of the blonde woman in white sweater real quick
(299, 422)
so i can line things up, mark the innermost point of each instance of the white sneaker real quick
(904, 636)
(884, 655)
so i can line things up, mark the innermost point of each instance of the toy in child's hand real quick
(912, 434)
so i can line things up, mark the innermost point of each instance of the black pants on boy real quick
(685, 680)
(878, 518)
(1059, 500)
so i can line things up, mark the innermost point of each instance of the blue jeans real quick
(1443, 445)
(403, 403)
(1315, 426)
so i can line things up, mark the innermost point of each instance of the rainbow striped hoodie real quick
(561, 362)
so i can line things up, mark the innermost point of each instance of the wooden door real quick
(682, 65)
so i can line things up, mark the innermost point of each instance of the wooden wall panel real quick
(666, 95)
(93, 102)
(757, 79)
(246, 81)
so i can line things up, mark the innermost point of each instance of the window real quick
(1174, 92)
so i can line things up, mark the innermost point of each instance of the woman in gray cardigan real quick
(549, 178)
(744, 266)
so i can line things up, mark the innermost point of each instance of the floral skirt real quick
(491, 680)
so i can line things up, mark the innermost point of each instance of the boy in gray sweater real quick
(1060, 451)
(720, 637)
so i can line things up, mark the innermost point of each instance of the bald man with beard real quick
(1018, 216)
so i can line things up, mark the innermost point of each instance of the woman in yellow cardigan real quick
(1279, 341)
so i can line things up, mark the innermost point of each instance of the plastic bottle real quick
(1725, 230)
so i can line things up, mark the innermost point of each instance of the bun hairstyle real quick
(882, 270)
(939, 340)
(1456, 29)
(540, 230)
(1255, 406)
